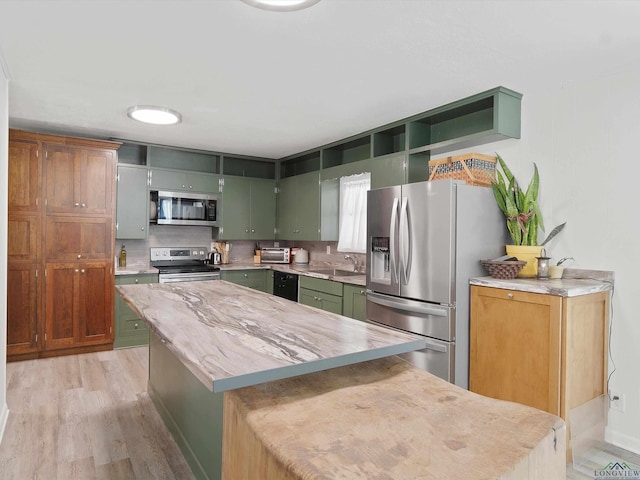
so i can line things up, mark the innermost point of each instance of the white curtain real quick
(353, 213)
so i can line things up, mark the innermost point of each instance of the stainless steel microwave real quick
(185, 208)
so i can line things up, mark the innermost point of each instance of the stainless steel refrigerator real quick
(425, 240)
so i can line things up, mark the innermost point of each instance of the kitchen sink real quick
(336, 272)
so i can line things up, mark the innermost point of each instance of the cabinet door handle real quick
(82, 271)
(246, 275)
(135, 325)
(253, 230)
(76, 270)
(509, 295)
(84, 205)
(79, 256)
(142, 228)
(136, 280)
(246, 230)
(190, 186)
(361, 292)
(184, 186)
(76, 204)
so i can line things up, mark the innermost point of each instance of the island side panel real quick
(192, 413)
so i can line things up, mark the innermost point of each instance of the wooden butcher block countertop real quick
(384, 419)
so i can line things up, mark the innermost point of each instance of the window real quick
(352, 235)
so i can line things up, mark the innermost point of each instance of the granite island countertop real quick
(231, 336)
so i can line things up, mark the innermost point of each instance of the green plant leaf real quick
(505, 169)
(499, 193)
(532, 237)
(536, 209)
(553, 233)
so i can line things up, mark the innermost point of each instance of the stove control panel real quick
(178, 253)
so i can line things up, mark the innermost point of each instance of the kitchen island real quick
(210, 339)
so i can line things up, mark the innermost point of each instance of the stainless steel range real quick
(183, 264)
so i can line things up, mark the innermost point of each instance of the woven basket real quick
(505, 270)
(474, 168)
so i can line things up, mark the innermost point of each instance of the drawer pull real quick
(509, 295)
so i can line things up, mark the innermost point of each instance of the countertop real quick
(360, 279)
(563, 287)
(230, 336)
(385, 419)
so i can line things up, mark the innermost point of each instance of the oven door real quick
(188, 277)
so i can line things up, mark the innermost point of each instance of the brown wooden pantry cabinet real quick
(60, 245)
(542, 350)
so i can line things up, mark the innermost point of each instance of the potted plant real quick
(524, 219)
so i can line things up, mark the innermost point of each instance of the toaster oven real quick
(275, 255)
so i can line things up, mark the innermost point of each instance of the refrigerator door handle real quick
(392, 241)
(407, 305)
(405, 241)
(435, 346)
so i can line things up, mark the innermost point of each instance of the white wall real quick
(583, 137)
(4, 154)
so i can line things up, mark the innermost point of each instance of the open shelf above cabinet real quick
(248, 167)
(483, 118)
(347, 152)
(409, 143)
(391, 140)
(300, 164)
(182, 159)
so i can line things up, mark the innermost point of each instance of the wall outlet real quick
(328, 249)
(616, 401)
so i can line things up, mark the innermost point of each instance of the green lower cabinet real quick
(355, 302)
(323, 294)
(254, 278)
(131, 331)
(270, 282)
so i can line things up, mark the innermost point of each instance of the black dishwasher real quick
(285, 285)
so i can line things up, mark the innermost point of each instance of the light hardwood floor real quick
(86, 417)
(89, 417)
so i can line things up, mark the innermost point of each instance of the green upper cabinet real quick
(181, 170)
(183, 181)
(398, 169)
(263, 209)
(299, 207)
(248, 209)
(132, 202)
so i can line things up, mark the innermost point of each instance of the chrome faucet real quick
(354, 259)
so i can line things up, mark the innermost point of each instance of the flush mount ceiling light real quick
(281, 5)
(154, 115)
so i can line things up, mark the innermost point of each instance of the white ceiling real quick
(256, 82)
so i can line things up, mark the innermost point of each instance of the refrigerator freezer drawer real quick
(437, 358)
(428, 319)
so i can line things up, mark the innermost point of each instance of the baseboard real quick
(4, 417)
(623, 441)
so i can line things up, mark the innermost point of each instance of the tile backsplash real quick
(241, 250)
